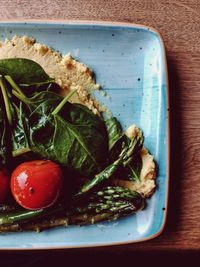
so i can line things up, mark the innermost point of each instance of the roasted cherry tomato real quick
(4, 185)
(36, 184)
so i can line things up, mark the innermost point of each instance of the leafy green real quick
(117, 141)
(133, 170)
(68, 138)
(4, 138)
(31, 90)
(82, 152)
(45, 98)
(24, 71)
(6, 100)
(26, 90)
(78, 114)
(114, 130)
(126, 156)
(5, 135)
(17, 138)
(20, 138)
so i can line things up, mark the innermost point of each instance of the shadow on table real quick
(175, 182)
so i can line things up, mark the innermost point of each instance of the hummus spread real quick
(67, 72)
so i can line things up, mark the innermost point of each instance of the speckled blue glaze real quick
(129, 62)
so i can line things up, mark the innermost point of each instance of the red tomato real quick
(36, 184)
(4, 185)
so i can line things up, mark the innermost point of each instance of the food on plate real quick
(69, 161)
(36, 184)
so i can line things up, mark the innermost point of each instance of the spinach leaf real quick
(114, 131)
(5, 150)
(119, 145)
(24, 71)
(133, 169)
(20, 138)
(48, 125)
(85, 147)
(5, 120)
(117, 142)
(74, 138)
(80, 115)
(25, 91)
(48, 100)
(16, 128)
(31, 90)
(122, 162)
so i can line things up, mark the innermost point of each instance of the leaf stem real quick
(63, 102)
(14, 85)
(20, 97)
(6, 101)
(20, 152)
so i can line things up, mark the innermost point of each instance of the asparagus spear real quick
(112, 200)
(125, 157)
(109, 203)
(26, 215)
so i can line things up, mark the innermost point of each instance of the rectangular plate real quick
(130, 63)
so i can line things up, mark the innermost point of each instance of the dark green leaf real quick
(30, 90)
(20, 138)
(126, 156)
(78, 115)
(47, 100)
(114, 131)
(122, 142)
(75, 138)
(5, 133)
(133, 170)
(5, 149)
(24, 71)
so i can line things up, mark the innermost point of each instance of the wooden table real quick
(179, 24)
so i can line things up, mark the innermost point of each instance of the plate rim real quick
(107, 23)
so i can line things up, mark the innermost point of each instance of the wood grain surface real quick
(179, 24)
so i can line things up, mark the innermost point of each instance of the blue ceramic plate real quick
(129, 61)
